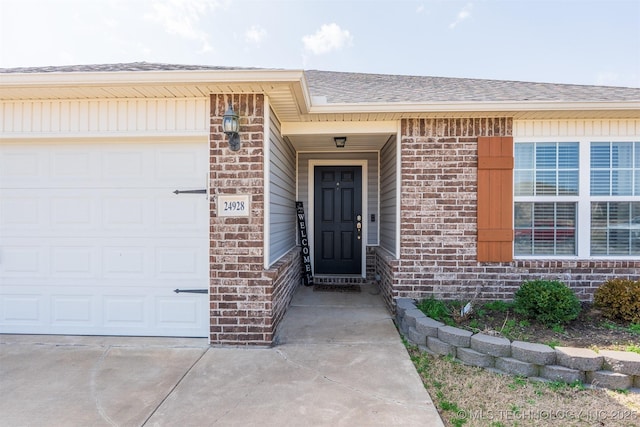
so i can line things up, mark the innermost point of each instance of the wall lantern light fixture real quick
(340, 141)
(231, 126)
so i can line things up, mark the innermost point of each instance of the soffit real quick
(286, 100)
(289, 95)
(324, 142)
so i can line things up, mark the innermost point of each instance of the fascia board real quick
(363, 108)
(149, 77)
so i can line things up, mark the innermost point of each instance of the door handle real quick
(359, 226)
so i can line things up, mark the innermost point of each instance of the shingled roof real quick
(358, 88)
(121, 67)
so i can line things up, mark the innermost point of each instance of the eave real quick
(288, 93)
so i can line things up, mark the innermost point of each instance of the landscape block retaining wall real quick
(617, 370)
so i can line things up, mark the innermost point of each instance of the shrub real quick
(619, 299)
(548, 301)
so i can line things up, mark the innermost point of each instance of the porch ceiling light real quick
(231, 126)
(340, 141)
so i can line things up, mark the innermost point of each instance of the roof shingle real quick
(358, 88)
(350, 88)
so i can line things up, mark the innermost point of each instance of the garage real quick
(94, 241)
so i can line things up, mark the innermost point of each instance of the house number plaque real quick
(233, 205)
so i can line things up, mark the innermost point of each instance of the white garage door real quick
(93, 240)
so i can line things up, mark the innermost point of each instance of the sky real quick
(593, 42)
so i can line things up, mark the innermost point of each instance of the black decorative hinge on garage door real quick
(203, 191)
(191, 291)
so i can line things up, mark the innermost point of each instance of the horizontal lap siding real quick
(574, 128)
(114, 115)
(282, 193)
(388, 196)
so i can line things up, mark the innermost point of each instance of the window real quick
(577, 198)
(544, 220)
(545, 228)
(615, 228)
(615, 169)
(615, 175)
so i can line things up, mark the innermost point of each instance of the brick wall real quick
(387, 269)
(240, 296)
(439, 226)
(286, 275)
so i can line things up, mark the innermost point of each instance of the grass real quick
(553, 343)
(633, 328)
(438, 310)
(468, 396)
(633, 348)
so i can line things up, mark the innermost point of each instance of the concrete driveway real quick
(339, 361)
(89, 381)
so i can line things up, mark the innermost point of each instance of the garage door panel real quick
(178, 263)
(73, 310)
(22, 309)
(125, 311)
(130, 310)
(178, 212)
(129, 165)
(22, 166)
(73, 165)
(112, 258)
(18, 211)
(94, 241)
(126, 261)
(74, 261)
(59, 212)
(172, 313)
(18, 261)
(74, 210)
(125, 166)
(126, 212)
(180, 166)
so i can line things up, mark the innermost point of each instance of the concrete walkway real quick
(339, 361)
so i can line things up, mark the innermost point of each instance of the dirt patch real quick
(590, 330)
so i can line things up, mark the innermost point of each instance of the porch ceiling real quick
(325, 143)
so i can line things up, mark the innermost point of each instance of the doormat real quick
(336, 288)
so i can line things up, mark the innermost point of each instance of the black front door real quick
(338, 219)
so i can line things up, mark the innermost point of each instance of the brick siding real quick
(387, 269)
(286, 275)
(439, 225)
(246, 301)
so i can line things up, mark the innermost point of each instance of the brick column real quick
(240, 293)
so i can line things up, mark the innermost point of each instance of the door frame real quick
(365, 199)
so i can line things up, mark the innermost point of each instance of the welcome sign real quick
(307, 275)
